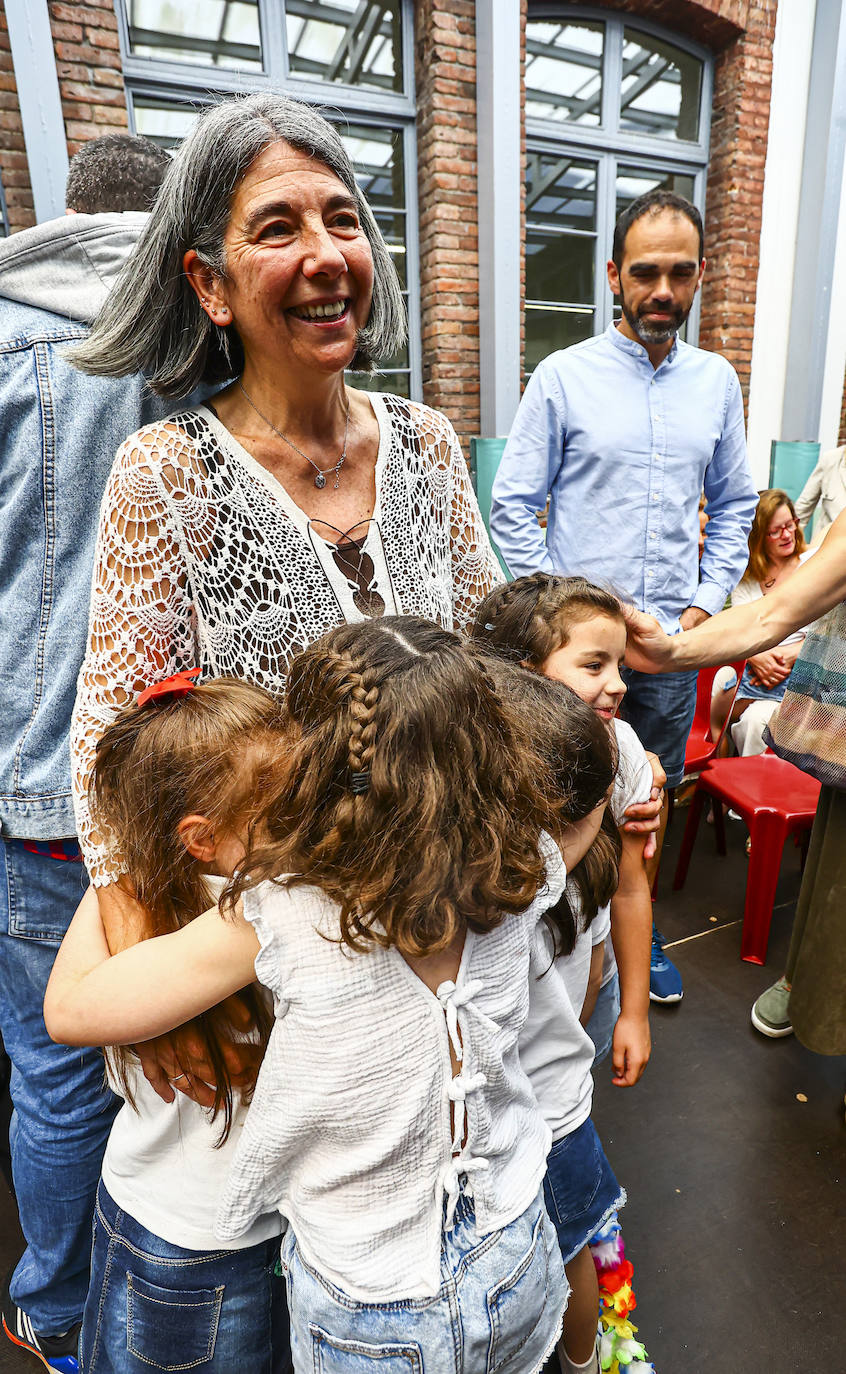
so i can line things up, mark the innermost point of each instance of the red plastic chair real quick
(775, 800)
(700, 748)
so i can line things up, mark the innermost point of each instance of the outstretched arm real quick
(94, 998)
(742, 631)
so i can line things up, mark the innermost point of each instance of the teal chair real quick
(791, 464)
(485, 456)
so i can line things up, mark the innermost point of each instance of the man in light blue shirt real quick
(623, 432)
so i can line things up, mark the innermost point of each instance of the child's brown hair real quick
(204, 753)
(409, 794)
(529, 618)
(580, 757)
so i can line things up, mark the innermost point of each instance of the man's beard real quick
(651, 331)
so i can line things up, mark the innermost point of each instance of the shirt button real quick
(652, 534)
(654, 496)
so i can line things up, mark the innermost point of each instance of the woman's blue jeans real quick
(154, 1306)
(63, 1112)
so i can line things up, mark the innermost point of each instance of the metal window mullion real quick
(612, 76)
(274, 44)
(175, 76)
(696, 309)
(540, 132)
(327, 94)
(606, 205)
(407, 34)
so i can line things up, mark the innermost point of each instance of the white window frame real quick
(193, 84)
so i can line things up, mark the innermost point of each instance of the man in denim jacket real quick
(60, 432)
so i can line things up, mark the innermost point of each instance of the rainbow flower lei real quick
(619, 1351)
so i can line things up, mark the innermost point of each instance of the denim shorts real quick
(153, 1306)
(659, 707)
(580, 1189)
(498, 1311)
(751, 690)
(603, 1019)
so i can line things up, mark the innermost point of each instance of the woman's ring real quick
(177, 1078)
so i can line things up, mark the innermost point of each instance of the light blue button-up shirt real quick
(624, 451)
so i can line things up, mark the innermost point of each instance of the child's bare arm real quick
(94, 998)
(176, 1060)
(631, 932)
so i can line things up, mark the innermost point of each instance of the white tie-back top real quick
(349, 1133)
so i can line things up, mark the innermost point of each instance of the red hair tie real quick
(177, 686)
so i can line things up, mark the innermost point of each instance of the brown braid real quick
(447, 834)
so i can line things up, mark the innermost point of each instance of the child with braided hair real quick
(390, 908)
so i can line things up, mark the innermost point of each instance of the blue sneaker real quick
(58, 1353)
(665, 984)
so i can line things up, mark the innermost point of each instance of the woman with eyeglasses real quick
(776, 549)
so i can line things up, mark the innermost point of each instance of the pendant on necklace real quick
(320, 480)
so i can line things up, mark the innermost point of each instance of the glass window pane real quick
(564, 71)
(166, 122)
(357, 42)
(560, 228)
(559, 268)
(560, 192)
(396, 382)
(636, 181)
(213, 33)
(548, 330)
(377, 155)
(661, 89)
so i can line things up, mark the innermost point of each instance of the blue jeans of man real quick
(62, 1109)
(659, 707)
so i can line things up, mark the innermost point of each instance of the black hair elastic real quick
(361, 782)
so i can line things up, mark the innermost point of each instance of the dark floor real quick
(732, 1149)
(735, 1220)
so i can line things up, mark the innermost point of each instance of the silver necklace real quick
(320, 473)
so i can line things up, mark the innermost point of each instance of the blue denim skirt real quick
(154, 1306)
(498, 1311)
(580, 1189)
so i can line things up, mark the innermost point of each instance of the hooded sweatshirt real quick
(60, 430)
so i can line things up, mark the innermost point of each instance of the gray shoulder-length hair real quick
(152, 321)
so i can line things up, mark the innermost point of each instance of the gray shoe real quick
(770, 1013)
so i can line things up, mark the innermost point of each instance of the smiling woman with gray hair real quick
(235, 533)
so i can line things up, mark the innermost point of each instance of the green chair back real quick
(791, 464)
(485, 457)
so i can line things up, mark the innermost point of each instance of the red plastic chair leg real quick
(767, 834)
(697, 802)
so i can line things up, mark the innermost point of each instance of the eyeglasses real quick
(790, 526)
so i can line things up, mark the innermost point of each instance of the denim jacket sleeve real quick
(141, 623)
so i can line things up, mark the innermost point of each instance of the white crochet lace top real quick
(204, 560)
(349, 1133)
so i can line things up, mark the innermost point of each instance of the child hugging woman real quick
(175, 780)
(389, 899)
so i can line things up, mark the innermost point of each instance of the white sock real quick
(591, 1367)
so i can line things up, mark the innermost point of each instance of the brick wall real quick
(85, 37)
(13, 163)
(87, 48)
(445, 75)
